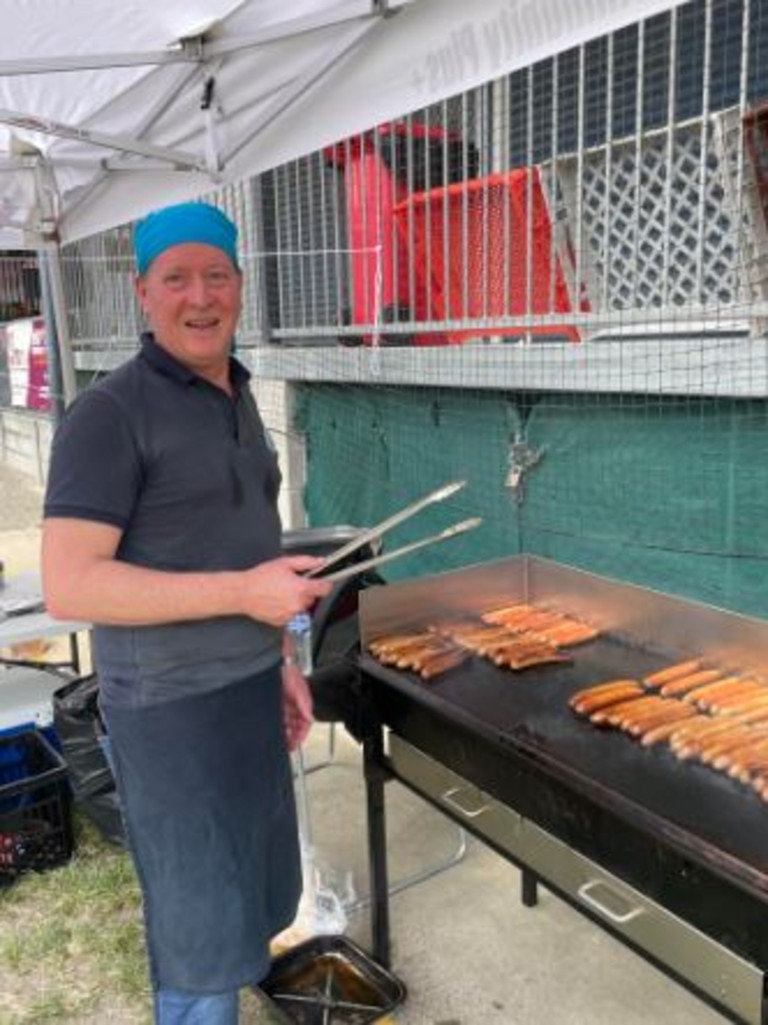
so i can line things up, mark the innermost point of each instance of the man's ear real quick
(140, 289)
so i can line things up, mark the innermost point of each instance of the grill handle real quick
(618, 918)
(451, 798)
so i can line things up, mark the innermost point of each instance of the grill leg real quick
(74, 653)
(529, 888)
(375, 778)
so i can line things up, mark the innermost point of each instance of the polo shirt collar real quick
(162, 361)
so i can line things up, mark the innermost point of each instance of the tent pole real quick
(64, 341)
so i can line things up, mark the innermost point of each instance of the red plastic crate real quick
(474, 243)
(386, 285)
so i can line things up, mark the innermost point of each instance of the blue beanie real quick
(185, 222)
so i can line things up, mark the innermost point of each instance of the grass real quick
(71, 941)
(72, 944)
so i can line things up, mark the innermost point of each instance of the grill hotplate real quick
(527, 712)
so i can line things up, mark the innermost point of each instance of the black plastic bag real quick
(82, 736)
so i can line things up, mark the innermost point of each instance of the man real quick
(161, 528)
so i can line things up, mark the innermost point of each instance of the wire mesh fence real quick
(554, 285)
(617, 187)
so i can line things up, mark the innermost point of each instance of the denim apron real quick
(207, 796)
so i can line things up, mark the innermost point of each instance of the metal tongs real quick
(377, 531)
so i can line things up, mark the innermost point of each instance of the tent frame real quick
(205, 54)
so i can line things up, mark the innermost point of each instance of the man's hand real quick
(297, 707)
(276, 591)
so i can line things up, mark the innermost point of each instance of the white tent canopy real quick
(109, 110)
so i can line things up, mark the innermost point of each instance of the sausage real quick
(744, 705)
(747, 775)
(515, 643)
(540, 620)
(395, 644)
(419, 659)
(442, 663)
(590, 699)
(744, 689)
(415, 657)
(729, 758)
(674, 672)
(709, 692)
(759, 714)
(524, 651)
(473, 635)
(615, 715)
(743, 764)
(525, 660)
(510, 614)
(571, 633)
(675, 688)
(686, 743)
(633, 719)
(713, 748)
(714, 742)
(671, 715)
(666, 731)
(494, 635)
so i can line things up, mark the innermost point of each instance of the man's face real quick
(192, 296)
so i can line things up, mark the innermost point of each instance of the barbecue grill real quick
(670, 857)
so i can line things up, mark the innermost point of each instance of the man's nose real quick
(199, 291)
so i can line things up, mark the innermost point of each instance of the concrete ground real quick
(20, 518)
(464, 945)
(466, 948)
(20, 501)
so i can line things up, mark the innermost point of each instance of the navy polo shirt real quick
(188, 476)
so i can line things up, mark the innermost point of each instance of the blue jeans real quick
(172, 1008)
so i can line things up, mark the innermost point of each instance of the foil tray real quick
(329, 980)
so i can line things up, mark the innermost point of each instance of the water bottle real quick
(300, 629)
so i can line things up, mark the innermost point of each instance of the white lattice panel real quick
(651, 235)
(743, 199)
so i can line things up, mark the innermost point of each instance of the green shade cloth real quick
(670, 494)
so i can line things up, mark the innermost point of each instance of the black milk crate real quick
(35, 805)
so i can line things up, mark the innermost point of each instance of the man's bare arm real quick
(82, 580)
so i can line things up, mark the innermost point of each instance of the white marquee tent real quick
(109, 110)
